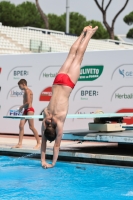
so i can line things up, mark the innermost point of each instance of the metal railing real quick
(46, 31)
(37, 46)
(119, 42)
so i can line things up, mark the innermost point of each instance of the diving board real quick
(75, 116)
(125, 137)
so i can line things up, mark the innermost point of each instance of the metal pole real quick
(67, 16)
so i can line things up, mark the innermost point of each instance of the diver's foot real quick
(17, 146)
(86, 28)
(37, 146)
(91, 31)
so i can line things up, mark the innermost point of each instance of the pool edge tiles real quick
(106, 159)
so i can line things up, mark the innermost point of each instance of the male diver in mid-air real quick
(56, 111)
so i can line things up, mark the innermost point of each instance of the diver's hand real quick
(20, 108)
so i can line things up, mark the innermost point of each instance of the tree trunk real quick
(43, 16)
(110, 31)
(109, 28)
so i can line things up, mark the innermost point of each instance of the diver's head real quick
(50, 131)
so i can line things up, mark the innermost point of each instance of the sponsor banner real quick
(123, 72)
(90, 73)
(18, 73)
(49, 72)
(46, 94)
(86, 93)
(127, 120)
(124, 93)
(95, 89)
(15, 92)
(14, 110)
(15, 113)
(0, 70)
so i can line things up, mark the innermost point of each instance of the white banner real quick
(105, 82)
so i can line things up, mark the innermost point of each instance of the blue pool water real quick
(24, 179)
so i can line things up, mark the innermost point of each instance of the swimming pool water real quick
(25, 179)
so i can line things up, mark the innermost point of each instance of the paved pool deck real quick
(74, 151)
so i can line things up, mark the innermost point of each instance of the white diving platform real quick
(100, 132)
(75, 116)
(86, 135)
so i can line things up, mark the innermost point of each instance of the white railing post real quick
(67, 16)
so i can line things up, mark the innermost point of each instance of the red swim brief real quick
(63, 79)
(28, 110)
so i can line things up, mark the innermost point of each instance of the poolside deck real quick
(88, 151)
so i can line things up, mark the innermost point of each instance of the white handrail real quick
(45, 30)
(118, 41)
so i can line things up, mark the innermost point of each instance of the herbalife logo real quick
(49, 75)
(90, 73)
(126, 74)
(124, 96)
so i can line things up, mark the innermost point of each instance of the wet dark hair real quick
(22, 81)
(50, 132)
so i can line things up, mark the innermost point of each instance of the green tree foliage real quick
(7, 13)
(128, 19)
(56, 22)
(29, 15)
(130, 33)
(25, 14)
(77, 23)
